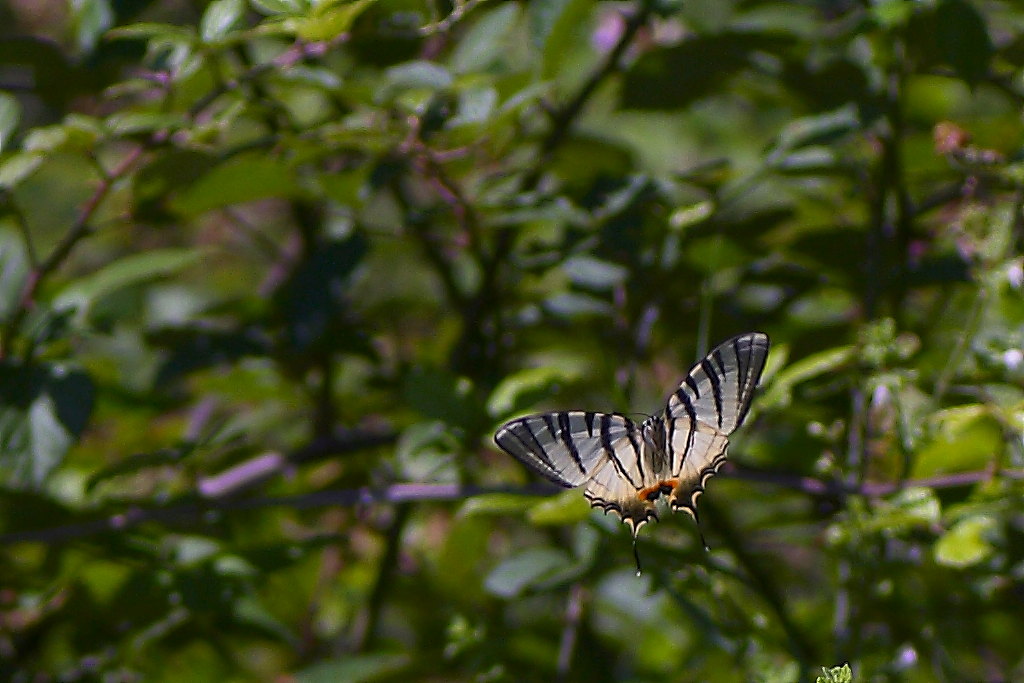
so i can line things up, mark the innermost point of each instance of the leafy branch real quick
(79, 230)
(221, 499)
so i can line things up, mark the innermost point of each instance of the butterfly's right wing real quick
(717, 391)
(710, 403)
(603, 450)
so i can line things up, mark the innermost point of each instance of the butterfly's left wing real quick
(605, 451)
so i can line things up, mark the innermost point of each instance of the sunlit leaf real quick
(496, 504)
(780, 391)
(219, 18)
(967, 543)
(89, 19)
(525, 387)
(43, 411)
(837, 674)
(328, 19)
(126, 272)
(565, 508)
(964, 438)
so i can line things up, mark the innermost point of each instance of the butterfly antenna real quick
(700, 532)
(636, 556)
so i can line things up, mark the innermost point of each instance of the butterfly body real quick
(627, 466)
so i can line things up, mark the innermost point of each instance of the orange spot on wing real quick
(651, 493)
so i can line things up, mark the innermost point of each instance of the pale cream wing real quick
(613, 491)
(605, 451)
(569, 447)
(698, 452)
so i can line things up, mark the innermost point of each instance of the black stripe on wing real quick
(752, 354)
(718, 390)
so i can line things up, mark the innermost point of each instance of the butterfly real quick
(626, 466)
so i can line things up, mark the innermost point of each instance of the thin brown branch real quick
(192, 511)
(425, 493)
(563, 117)
(452, 194)
(431, 250)
(79, 229)
(299, 51)
(819, 488)
(261, 468)
(461, 7)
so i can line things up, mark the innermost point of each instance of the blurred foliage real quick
(271, 273)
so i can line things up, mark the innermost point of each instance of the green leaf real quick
(194, 347)
(810, 160)
(131, 270)
(14, 270)
(674, 77)
(837, 674)
(823, 306)
(565, 508)
(244, 178)
(555, 24)
(363, 668)
(89, 20)
(426, 452)
(965, 438)
(891, 13)
(17, 167)
(522, 389)
(191, 550)
(487, 41)
(146, 30)
(10, 113)
(130, 123)
(136, 463)
(43, 411)
(220, 17)
(329, 19)
(821, 129)
(496, 504)
(574, 305)
(280, 6)
(912, 508)
(524, 569)
(594, 273)
(715, 253)
(415, 75)
(780, 393)
(967, 543)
